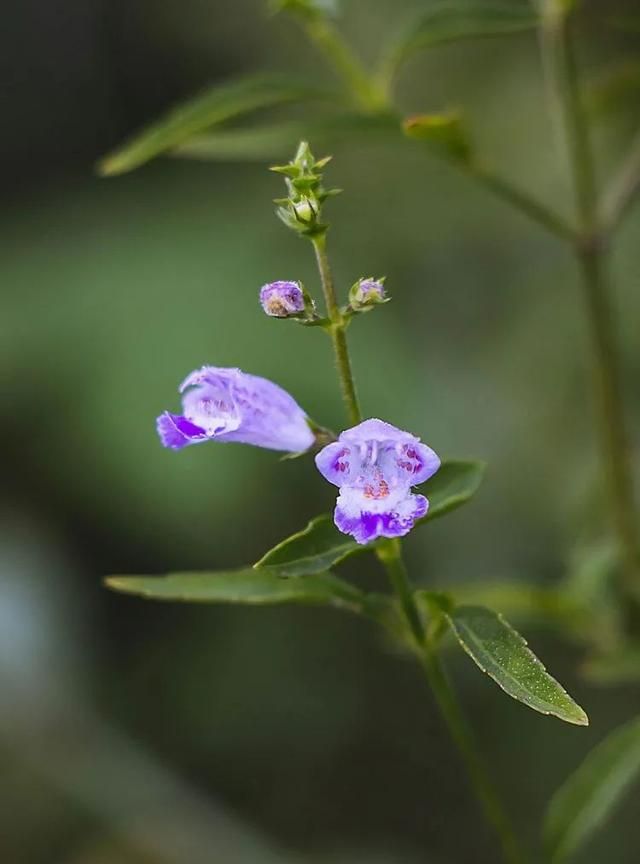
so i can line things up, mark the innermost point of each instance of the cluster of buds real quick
(301, 209)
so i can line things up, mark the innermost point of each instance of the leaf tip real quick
(582, 718)
(116, 583)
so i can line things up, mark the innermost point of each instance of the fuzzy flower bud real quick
(367, 293)
(282, 299)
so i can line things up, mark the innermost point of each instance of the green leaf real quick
(614, 89)
(307, 9)
(314, 549)
(452, 20)
(502, 653)
(320, 545)
(242, 586)
(276, 141)
(212, 107)
(587, 798)
(453, 485)
(525, 602)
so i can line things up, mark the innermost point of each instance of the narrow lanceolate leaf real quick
(275, 141)
(247, 586)
(590, 794)
(503, 654)
(452, 20)
(320, 545)
(314, 549)
(213, 106)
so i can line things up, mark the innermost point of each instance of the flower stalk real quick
(337, 330)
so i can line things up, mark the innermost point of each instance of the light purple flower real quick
(375, 465)
(230, 405)
(282, 299)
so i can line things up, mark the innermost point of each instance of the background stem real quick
(337, 332)
(390, 554)
(366, 92)
(590, 249)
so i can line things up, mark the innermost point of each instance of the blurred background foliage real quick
(135, 732)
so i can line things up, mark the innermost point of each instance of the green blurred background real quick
(133, 732)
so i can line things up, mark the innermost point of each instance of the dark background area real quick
(139, 732)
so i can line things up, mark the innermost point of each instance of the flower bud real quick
(286, 300)
(367, 293)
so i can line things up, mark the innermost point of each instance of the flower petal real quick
(375, 430)
(338, 463)
(365, 525)
(176, 431)
(415, 461)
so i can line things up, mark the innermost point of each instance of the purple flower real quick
(230, 405)
(282, 299)
(375, 465)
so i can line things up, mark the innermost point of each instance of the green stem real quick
(624, 188)
(390, 554)
(336, 329)
(540, 213)
(590, 250)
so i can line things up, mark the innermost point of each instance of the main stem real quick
(390, 554)
(590, 249)
(337, 332)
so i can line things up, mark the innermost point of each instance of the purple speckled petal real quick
(415, 461)
(176, 431)
(339, 463)
(352, 516)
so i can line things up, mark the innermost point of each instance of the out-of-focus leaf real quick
(456, 482)
(587, 798)
(314, 549)
(452, 20)
(503, 654)
(619, 665)
(625, 23)
(614, 89)
(213, 106)
(246, 586)
(309, 9)
(444, 133)
(320, 545)
(244, 145)
(276, 141)
(523, 602)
